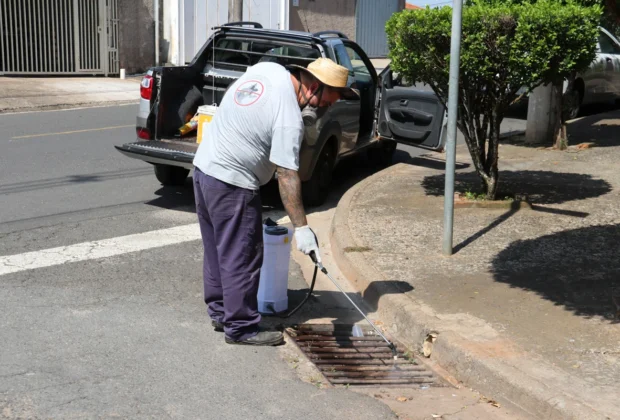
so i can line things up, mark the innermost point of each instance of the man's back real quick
(257, 126)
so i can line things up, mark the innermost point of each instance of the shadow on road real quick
(47, 183)
(578, 269)
(349, 172)
(179, 198)
(541, 187)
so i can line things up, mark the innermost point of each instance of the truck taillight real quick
(143, 133)
(146, 87)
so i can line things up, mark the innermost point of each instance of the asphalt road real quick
(100, 285)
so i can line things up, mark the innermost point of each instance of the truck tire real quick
(171, 175)
(315, 190)
(381, 156)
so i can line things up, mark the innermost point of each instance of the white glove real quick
(306, 241)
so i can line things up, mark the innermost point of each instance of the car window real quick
(607, 45)
(400, 80)
(238, 54)
(360, 71)
(342, 57)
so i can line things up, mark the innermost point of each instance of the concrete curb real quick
(476, 363)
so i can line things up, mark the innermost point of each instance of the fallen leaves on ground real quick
(490, 401)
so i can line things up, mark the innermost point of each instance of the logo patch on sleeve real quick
(249, 92)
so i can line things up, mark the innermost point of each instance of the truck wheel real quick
(381, 156)
(171, 175)
(315, 190)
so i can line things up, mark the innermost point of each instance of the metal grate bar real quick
(345, 359)
(20, 31)
(11, 36)
(4, 32)
(30, 31)
(54, 38)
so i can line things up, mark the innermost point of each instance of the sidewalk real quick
(524, 310)
(19, 94)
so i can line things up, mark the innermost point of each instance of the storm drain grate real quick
(347, 359)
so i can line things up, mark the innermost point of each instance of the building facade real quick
(100, 37)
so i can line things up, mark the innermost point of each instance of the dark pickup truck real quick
(387, 111)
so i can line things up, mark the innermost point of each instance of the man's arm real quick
(290, 192)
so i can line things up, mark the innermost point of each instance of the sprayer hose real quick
(298, 307)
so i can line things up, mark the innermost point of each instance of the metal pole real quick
(156, 12)
(235, 10)
(453, 98)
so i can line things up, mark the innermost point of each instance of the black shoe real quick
(263, 338)
(217, 326)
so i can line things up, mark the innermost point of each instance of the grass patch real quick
(357, 249)
(476, 196)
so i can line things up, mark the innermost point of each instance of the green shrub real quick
(505, 46)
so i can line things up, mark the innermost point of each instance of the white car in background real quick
(599, 84)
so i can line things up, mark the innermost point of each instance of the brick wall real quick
(321, 15)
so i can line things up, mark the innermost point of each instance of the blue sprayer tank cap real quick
(276, 230)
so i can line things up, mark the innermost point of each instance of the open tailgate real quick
(161, 152)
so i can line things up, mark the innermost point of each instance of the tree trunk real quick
(483, 148)
(491, 167)
(560, 140)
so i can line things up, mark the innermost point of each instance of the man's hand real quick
(290, 192)
(306, 241)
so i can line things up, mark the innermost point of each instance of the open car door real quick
(409, 115)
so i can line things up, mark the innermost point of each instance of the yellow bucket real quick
(205, 115)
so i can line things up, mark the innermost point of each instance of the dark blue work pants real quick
(231, 228)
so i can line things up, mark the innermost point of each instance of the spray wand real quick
(320, 266)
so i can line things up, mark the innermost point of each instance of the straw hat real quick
(330, 74)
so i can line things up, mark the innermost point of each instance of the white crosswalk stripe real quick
(108, 247)
(98, 249)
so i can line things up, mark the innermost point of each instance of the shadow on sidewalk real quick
(332, 304)
(541, 187)
(425, 161)
(578, 269)
(600, 129)
(599, 124)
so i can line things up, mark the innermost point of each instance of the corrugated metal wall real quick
(370, 19)
(58, 36)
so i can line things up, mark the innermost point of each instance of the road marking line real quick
(72, 132)
(98, 249)
(72, 109)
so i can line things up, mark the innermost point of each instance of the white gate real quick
(58, 37)
(198, 17)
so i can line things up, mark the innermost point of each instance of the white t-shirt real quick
(257, 127)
